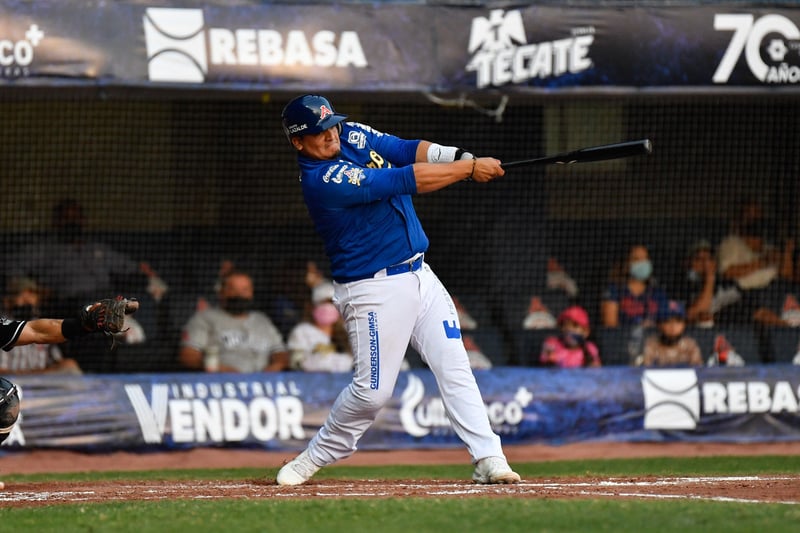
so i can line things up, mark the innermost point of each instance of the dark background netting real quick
(184, 181)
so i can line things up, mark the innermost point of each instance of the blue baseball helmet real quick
(309, 114)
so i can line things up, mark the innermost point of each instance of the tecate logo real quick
(772, 38)
(503, 54)
(181, 49)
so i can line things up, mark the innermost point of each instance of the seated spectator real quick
(633, 297)
(670, 346)
(704, 294)
(571, 348)
(746, 256)
(22, 303)
(762, 271)
(233, 337)
(319, 343)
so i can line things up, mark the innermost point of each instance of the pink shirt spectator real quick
(556, 353)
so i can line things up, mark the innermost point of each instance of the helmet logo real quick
(324, 112)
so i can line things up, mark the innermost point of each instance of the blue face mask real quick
(573, 339)
(641, 270)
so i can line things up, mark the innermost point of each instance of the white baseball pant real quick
(382, 315)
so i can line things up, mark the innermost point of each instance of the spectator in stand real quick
(762, 271)
(22, 303)
(319, 343)
(704, 294)
(571, 348)
(670, 346)
(633, 297)
(233, 337)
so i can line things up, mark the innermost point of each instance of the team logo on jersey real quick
(324, 112)
(771, 37)
(502, 54)
(354, 176)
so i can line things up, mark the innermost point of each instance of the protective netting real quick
(184, 182)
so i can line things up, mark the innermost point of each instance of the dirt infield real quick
(770, 488)
(743, 489)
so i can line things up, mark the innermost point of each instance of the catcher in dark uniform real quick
(106, 316)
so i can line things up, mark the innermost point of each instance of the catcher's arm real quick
(41, 331)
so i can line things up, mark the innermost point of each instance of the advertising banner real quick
(398, 46)
(525, 406)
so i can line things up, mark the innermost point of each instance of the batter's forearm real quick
(434, 176)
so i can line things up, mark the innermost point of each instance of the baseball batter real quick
(357, 183)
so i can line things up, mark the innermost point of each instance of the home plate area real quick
(743, 489)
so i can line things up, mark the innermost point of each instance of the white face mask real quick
(325, 314)
(641, 270)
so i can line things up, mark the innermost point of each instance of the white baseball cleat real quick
(491, 470)
(297, 471)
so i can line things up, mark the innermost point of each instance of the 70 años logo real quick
(749, 36)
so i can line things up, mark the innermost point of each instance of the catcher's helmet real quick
(309, 114)
(9, 407)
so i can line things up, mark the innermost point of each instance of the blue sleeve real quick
(346, 185)
(399, 152)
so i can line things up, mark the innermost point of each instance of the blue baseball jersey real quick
(361, 202)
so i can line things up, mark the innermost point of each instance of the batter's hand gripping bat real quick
(587, 155)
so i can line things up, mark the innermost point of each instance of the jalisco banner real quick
(397, 47)
(525, 406)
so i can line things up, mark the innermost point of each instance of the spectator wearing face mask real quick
(633, 297)
(319, 343)
(233, 337)
(670, 346)
(571, 347)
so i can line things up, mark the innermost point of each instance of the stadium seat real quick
(744, 341)
(490, 341)
(784, 344)
(613, 345)
(705, 339)
(528, 343)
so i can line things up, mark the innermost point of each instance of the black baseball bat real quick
(587, 155)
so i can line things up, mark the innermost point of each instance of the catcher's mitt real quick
(107, 315)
